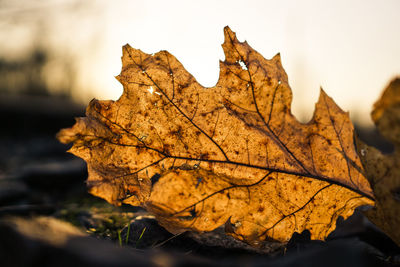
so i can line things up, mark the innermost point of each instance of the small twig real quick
(165, 241)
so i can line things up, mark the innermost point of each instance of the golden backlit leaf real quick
(383, 171)
(390, 97)
(232, 154)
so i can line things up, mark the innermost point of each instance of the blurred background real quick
(56, 55)
(72, 49)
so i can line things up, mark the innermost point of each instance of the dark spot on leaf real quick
(396, 194)
(154, 179)
(193, 212)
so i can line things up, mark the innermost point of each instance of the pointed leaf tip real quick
(229, 35)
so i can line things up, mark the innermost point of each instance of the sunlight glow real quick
(151, 90)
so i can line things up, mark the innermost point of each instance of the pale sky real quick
(350, 48)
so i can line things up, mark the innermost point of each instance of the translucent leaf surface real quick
(231, 154)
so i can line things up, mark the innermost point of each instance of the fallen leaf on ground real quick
(383, 171)
(233, 154)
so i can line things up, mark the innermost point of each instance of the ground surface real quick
(42, 187)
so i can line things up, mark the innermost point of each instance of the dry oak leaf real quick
(383, 171)
(232, 154)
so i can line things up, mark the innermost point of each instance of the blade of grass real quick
(127, 234)
(119, 238)
(140, 237)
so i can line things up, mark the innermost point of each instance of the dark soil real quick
(41, 186)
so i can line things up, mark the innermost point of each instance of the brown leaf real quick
(383, 171)
(232, 154)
